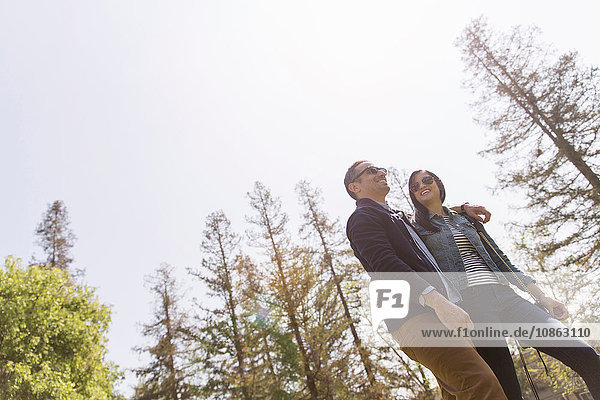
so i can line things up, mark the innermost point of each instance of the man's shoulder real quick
(367, 210)
(370, 214)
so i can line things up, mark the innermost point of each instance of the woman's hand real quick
(554, 307)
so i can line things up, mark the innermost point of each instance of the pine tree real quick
(544, 111)
(287, 281)
(376, 359)
(330, 240)
(241, 352)
(276, 367)
(167, 375)
(220, 246)
(55, 237)
(238, 349)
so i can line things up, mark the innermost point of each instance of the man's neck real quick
(377, 199)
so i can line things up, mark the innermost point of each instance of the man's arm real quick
(479, 213)
(368, 235)
(449, 314)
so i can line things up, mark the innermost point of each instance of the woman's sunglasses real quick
(428, 180)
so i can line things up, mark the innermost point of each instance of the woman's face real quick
(425, 193)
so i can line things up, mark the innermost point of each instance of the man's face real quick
(368, 184)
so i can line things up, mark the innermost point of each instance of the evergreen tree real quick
(544, 111)
(55, 237)
(242, 353)
(287, 280)
(330, 240)
(376, 359)
(167, 377)
(273, 354)
(323, 327)
(220, 247)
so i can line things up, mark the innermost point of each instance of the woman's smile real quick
(425, 192)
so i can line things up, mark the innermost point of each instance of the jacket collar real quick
(450, 212)
(364, 202)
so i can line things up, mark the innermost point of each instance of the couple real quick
(462, 277)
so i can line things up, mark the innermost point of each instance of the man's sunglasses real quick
(371, 169)
(428, 180)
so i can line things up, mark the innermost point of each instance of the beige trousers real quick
(460, 371)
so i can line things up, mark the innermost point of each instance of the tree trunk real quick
(528, 103)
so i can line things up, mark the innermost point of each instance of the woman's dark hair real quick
(421, 212)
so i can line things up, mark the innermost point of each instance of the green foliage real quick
(355, 364)
(271, 360)
(276, 328)
(560, 379)
(52, 337)
(290, 280)
(248, 354)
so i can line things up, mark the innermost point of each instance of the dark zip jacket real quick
(382, 243)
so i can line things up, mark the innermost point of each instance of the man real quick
(385, 241)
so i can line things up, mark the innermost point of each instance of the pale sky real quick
(145, 116)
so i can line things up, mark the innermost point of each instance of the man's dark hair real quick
(421, 212)
(349, 178)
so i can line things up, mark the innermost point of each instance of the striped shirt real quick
(478, 272)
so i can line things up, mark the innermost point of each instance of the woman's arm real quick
(514, 274)
(554, 307)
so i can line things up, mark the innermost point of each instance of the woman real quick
(481, 273)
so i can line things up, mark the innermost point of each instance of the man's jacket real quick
(381, 241)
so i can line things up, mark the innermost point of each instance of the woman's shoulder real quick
(463, 217)
(420, 228)
(465, 220)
